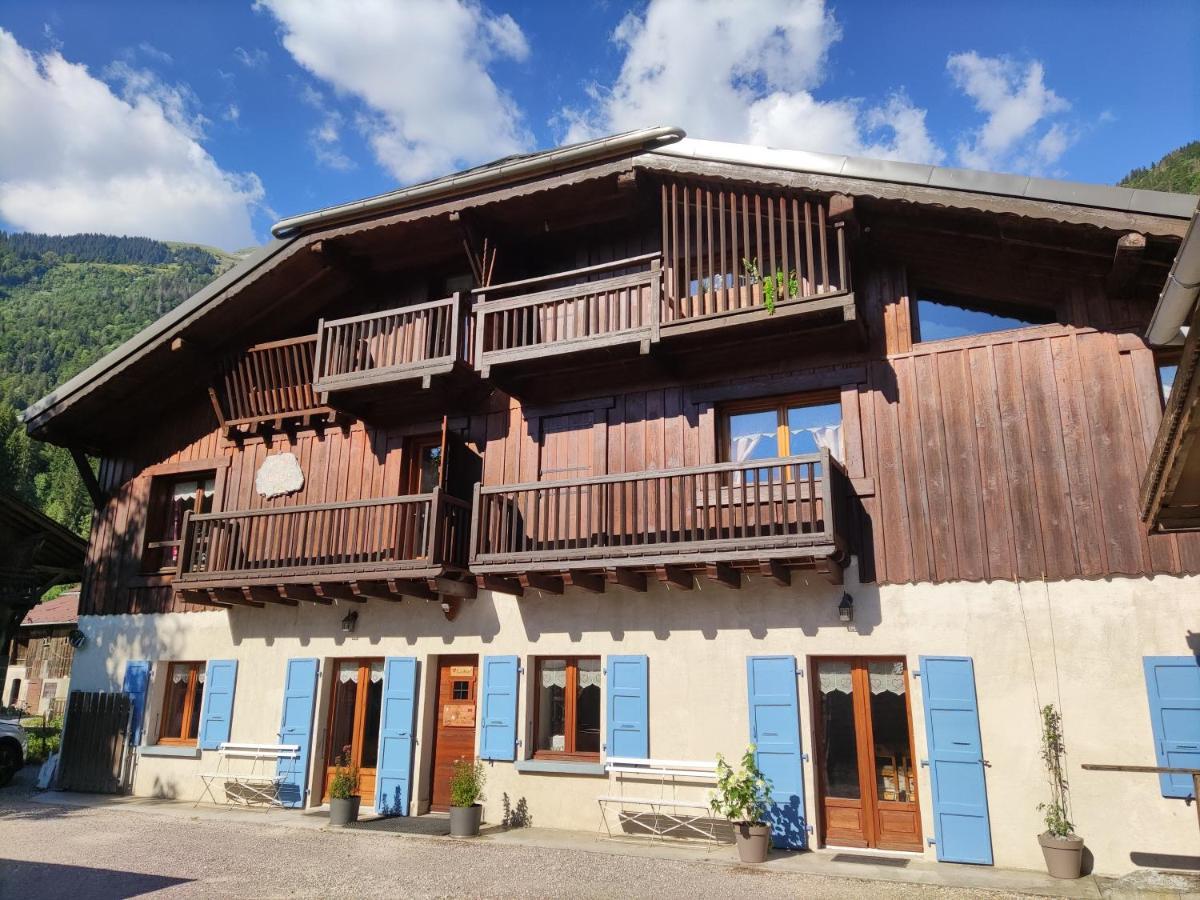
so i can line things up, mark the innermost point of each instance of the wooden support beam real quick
(231, 597)
(673, 576)
(306, 592)
(626, 578)
(99, 498)
(586, 580)
(499, 584)
(776, 571)
(377, 590)
(413, 589)
(723, 574)
(833, 570)
(201, 597)
(539, 581)
(449, 587)
(842, 214)
(263, 594)
(335, 591)
(1127, 260)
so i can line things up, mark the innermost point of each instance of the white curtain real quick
(828, 438)
(348, 672)
(589, 677)
(376, 672)
(884, 678)
(744, 445)
(554, 677)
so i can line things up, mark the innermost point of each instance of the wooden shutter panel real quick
(628, 710)
(498, 721)
(1173, 684)
(397, 722)
(137, 681)
(775, 733)
(217, 716)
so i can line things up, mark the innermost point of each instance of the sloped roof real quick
(62, 610)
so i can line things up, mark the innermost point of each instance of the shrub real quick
(345, 781)
(466, 784)
(742, 795)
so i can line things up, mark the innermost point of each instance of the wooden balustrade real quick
(270, 382)
(736, 510)
(407, 342)
(727, 249)
(597, 306)
(418, 533)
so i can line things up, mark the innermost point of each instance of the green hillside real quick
(1178, 171)
(65, 301)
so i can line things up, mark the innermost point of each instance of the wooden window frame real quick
(780, 404)
(189, 700)
(158, 481)
(570, 690)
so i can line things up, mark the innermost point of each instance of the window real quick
(939, 317)
(20, 652)
(181, 703)
(170, 498)
(1166, 379)
(567, 714)
(792, 426)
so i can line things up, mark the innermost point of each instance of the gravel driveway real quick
(83, 853)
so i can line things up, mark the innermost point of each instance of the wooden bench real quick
(257, 786)
(657, 783)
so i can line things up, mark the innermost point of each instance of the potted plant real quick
(1062, 848)
(466, 790)
(343, 794)
(742, 797)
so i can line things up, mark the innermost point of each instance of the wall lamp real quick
(350, 622)
(846, 609)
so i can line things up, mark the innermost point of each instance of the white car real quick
(14, 743)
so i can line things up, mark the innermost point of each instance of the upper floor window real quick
(182, 702)
(792, 426)
(567, 717)
(171, 496)
(939, 316)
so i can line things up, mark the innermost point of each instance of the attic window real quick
(940, 317)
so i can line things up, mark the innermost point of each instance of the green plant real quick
(1058, 810)
(742, 794)
(787, 284)
(466, 783)
(344, 784)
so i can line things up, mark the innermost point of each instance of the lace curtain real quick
(557, 677)
(883, 678)
(827, 437)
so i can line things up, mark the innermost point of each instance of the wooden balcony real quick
(269, 385)
(396, 354)
(393, 547)
(766, 517)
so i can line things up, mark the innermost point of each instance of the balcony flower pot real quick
(343, 810)
(1064, 855)
(753, 841)
(466, 790)
(465, 820)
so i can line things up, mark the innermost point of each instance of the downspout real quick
(1168, 324)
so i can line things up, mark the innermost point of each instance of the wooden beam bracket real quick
(547, 584)
(673, 576)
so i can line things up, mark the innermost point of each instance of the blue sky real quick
(208, 122)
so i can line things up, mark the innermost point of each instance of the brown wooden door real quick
(354, 710)
(865, 766)
(454, 738)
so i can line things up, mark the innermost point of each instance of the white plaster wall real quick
(1077, 643)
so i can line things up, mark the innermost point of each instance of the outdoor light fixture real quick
(846, 609)
(77, 638)
(350, 621)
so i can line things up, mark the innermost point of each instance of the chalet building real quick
(39, 666)
(654, 447)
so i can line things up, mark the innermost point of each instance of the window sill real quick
(559, 767)
(181, 751)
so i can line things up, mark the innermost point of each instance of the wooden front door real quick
(454, 738)
(865, 766)
(354, 710)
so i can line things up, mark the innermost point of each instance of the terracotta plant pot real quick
(343, 811)
(753, 841)
(464, 820)
(1064, 855)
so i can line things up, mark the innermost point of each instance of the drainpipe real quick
(1168, 325)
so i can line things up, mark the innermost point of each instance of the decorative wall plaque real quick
(458, 715)
(278, 476)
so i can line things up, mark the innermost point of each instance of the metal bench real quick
(259, 785)
(670, 815)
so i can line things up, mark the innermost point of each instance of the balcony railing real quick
(788, 507)
(412, 536)
(268, 383)
(598, 306)
(408, 342)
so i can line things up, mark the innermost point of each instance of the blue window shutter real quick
(1173, 683)
(217, 714)
(498, 721)
(137, 681)
(962, 828)
(397, 723)
(299, 699)
(775, 733)
(628, 707)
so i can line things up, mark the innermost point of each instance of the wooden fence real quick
(92, 756)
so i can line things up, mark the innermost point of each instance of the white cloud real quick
(421, 72)
(232, 113)
(251, 59)
(85, 159)
(325, 139)
(1017, 104)
(725, 71)
(155, 53)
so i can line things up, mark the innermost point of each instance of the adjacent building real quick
(653, 447)
(39, 668)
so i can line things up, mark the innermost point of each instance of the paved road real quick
(83, 853)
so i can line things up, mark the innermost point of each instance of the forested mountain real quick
(1178, 171)
(65, 301)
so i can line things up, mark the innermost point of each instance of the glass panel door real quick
(354, 714)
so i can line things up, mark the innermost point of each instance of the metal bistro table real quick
(1157, 770)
